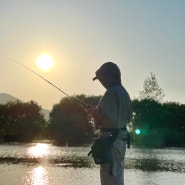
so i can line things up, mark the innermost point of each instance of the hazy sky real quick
(140, 36)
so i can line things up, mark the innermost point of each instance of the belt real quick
(113, 129)
(114, 133)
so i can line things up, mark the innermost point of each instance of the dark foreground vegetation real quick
(154, 124)
(160, 125)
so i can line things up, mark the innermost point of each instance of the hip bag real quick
(101, 150)
(101, 147)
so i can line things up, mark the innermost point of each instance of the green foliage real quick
(151, 89)
(21, 121)
(160, 124)
(69, 123)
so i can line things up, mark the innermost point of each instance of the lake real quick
(46, 164)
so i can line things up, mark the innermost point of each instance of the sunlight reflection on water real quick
(39, 150)
(46, 164)
(37, 176)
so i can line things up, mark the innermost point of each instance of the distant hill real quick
(5, 98)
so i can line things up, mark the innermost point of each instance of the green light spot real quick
(137, 131)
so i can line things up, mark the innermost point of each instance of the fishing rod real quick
(76, 100)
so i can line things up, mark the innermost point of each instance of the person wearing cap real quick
(113, 112)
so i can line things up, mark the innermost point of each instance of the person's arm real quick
(95, 112)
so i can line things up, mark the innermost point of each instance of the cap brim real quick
(94, 78)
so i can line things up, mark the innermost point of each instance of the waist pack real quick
(101, 150)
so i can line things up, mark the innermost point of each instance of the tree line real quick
(154, 123)
(159, 124)
(21, 121)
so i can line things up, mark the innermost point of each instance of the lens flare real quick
(137, 131)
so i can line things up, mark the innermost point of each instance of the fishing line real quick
(76, 100)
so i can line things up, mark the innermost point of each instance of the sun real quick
(45, 62)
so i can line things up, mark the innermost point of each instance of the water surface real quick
(45, 164)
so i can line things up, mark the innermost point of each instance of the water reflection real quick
(43, 154)
(37, 176)
(39, 150)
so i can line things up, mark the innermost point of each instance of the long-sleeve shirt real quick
(114, 109)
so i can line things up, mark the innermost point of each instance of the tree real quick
(69, 123)
(146, 121)
(157, 124)
(151, 89)
(174, 120)
(21, 121)
(4, 123)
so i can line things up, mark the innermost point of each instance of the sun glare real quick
(39, 150)
(44, 62)
(37, 176)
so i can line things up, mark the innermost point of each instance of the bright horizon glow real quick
(45, 62)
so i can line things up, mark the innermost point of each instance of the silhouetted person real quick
(111, 115)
